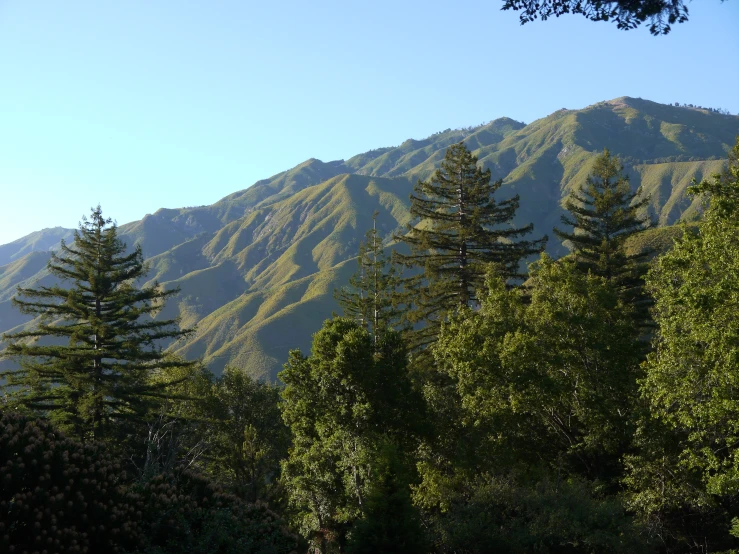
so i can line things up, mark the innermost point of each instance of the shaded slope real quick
(39, 241)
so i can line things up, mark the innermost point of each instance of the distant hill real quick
(39, 241)
(257, 269)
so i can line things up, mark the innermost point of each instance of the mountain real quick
(257, 269)
(44, 240)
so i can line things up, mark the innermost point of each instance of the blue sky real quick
(139, 105)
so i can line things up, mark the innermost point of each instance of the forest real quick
(476, 395)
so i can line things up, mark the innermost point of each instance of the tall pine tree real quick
(101, 343)
(369, 298)
(459, 229)
(603, 214)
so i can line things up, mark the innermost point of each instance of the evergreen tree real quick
(603, 214)
(104, 344)
(459, 229)
(342, 403)
(371, 292)
(248, 437)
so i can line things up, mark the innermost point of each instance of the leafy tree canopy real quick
(342, 403)
(626, 14)
(688, 461)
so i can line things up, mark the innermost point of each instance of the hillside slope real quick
(257, 269)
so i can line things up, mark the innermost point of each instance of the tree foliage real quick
(88, 359)
(176, 432)
(458, 229)
(549, 514)
(626, 14)
(341, 403)
(692, 376)
(60, 495)
(186, 512)
(370, 299)
(604, 213)
(390, 523)
(546, 378)
(248, 438)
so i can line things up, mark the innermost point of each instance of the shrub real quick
(58, 495)
(186, 512)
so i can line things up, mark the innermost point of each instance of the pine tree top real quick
(97, 337)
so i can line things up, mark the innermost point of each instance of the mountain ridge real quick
(257, 268)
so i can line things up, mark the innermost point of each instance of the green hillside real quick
(257, 269)
(39, 241)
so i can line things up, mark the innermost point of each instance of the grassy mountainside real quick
(257, 269)
(39, 241)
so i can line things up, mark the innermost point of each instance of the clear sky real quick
(145, 104)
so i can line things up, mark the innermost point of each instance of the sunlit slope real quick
(658, 239)
(257, 269)
(667, 184)
(258, 329)
(166, 228)
(273, 273)
(418, 158)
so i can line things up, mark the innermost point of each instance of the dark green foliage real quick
(531, 384)
(228, 428)
(627, 14)
(58, 495)
(459, 229)
(188, 513)
(177, 431)
(501, 514)
(104, 344)
(669, 496)
(248, 438)
(369, 298)
(341, 404)
(390, 522)
(548, 377)
(604, 214)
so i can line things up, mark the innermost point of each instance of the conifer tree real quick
(99, 342)
(459, 229)
(368, 299)
(603, 214)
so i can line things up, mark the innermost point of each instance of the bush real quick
(58, 495)
(500, 514)
(187, 513)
